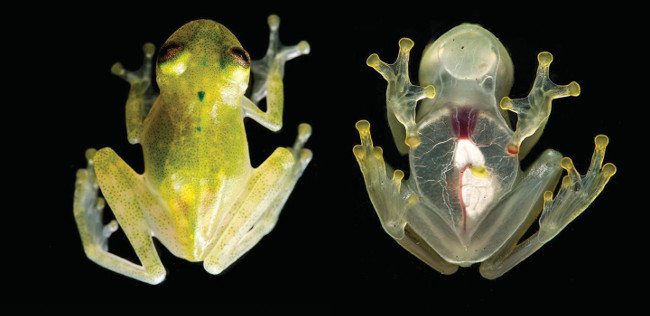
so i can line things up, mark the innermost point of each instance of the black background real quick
(328, 245)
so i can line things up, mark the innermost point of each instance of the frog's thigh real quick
(256, 211)
(526, 197)
(124, 191)
(389, 197)
(419, 248)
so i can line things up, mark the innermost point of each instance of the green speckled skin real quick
(198, 194)
(184, 137)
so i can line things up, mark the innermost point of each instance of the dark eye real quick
(169, 51)
(241, 56)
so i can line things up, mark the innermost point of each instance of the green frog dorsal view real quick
(198, 194)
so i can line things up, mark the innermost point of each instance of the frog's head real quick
(468, 52)
(202, 60)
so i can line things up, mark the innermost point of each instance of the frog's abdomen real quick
(199, 144)
(196, 166)
(461, 167)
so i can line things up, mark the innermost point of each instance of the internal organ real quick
(475, 184)
(463, 121)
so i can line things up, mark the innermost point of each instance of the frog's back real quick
(194, 166)
(193, 139)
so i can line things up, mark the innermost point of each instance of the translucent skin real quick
(198, 194)
(467, 201)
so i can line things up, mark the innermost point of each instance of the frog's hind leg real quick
(392, 200)
(574, 196)
(141, 96)
(256, 213)
(123, 189)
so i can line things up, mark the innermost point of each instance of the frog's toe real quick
(89, 207)
(302, 154)
(305, 157)
(368, 156)
(363, 127)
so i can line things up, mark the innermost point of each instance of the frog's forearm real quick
(141, 96)
(401, 96)
(533, 111)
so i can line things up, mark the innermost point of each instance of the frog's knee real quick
(110, 167)
(552, 155)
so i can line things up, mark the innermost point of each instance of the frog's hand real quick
(574, 196)
(141, 96)
(392, 200)
(268, 73)
(119, 181)
(533, 111)
(401, 95)
(258, 211)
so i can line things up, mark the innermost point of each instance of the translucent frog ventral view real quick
(198, 195)
(466, 200)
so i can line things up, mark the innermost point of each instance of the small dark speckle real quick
(201, 95)
(198, 128)
(462, 47)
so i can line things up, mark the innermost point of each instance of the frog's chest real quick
(461, 167)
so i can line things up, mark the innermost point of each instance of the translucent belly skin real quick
(466, 200)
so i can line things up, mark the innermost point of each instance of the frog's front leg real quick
(533, 111)
(392, 200)
(401, 96)
(141, 95)
(574, 196)
(268, 73)
(127, 195)
(256, 212)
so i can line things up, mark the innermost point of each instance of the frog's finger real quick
(601, 141)
(401, 95)
(290, 52)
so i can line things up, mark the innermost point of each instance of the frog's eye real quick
(169, 51)
(241, 56)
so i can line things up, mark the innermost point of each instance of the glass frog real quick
(198, 195)
(467, 201)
